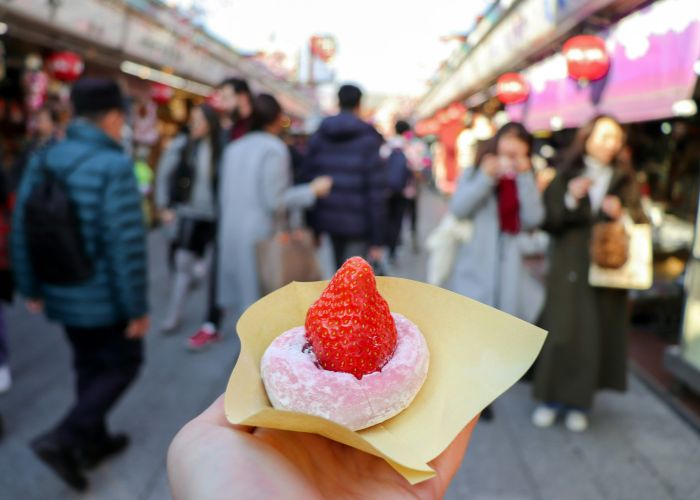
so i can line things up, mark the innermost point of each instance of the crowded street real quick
(368, 250)
(638, 447)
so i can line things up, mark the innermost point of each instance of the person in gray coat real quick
(500, 196)
(186, 196)
(255, 185)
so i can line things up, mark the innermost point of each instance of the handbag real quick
(609, 244)
(636, 272)
(289, 255)
(182, 178)
(442, 247)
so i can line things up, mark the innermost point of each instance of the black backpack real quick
(54, 241)
(397, 171)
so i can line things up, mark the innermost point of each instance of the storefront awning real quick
(654, 55)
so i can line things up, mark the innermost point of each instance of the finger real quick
(448, 462)
(216, 415)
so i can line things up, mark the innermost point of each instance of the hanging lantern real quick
(214, 100)
(323, 47)
(66, 66)
(161, 93)
(512, 88)
(587, 58)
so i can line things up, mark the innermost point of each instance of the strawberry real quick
(349, 327)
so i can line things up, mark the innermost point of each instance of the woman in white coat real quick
(255, 185)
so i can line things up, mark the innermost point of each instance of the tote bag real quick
(289, 255)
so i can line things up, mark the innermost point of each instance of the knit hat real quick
(96, 95)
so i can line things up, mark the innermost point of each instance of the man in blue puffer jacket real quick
(105, 317)
(347, 149)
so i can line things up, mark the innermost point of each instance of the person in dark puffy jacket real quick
(347, 149)
(105, 317)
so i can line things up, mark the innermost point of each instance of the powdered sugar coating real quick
(294, 381)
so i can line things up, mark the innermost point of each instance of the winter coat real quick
(489, 268)
(347, 149)
(108, 205)
(202, 200)
(586, 348)
(255, 184)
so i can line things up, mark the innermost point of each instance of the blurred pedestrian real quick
(586, 347)
(499, 196)
(97, 292)
(46, 132)
(256, 186)
(186, 196)
(236, 104)
(6, 280)
(144, 180)
(419, 163)
(399, 175)
(347, 148)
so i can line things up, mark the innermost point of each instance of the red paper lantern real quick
(161, 93)
(66, 66)
(214, 100)
(587, 58)
(323, 47)
(512, 88)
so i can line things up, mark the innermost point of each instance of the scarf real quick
(508, 205)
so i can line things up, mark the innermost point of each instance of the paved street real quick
(636, 448)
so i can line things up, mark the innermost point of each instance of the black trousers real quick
(396, 208)
(412, 210)
(213, 314)
(105, 364)
(196, 235)
(344, 248)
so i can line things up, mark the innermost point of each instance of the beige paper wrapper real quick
(476, 354)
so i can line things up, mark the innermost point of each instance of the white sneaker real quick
(544, 416)
(576, 421)
(5, 379)
(200, 269)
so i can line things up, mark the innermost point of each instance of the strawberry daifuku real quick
(354, 362)
(349, 327)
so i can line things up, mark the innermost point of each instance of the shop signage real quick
(526, 27)
(653, 54)
(531, 25)
(99, 20)
(40, 10)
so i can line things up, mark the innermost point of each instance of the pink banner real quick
(653, 67)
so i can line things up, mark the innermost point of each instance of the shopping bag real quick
(442, 247)
(609, 246)
(637, 271)
(290, 255)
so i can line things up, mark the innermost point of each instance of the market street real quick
(636, 448)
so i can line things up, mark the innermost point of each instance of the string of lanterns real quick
(587, 60)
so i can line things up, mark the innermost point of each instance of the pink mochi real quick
(295, 382)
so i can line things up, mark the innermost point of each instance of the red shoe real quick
(203, 339)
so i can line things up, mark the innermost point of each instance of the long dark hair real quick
(266, 109)
(511, 129)
(214, 136)
(185, 168)
(573, 157)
